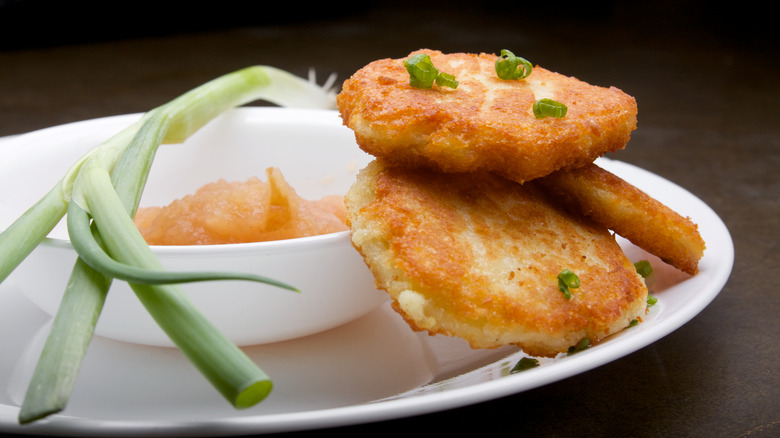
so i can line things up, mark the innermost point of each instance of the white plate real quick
(372, 369)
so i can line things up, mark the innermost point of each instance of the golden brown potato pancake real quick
(477, 256)
(486, 123)
(629, 212)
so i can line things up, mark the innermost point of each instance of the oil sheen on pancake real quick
(477, 256)
(486, 123)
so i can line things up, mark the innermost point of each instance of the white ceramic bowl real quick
(316, 154)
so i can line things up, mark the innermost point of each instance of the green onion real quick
(71, 331)
(22, 236)
(73, 325)
(107, 183)
(582, 345)
(422, 73)
(26, 232)
(643, 268)
(567, 280)
(549, 108)
(85, 242)
(651, 301)
(633, 322)
(509, 66)
(446, 80)
(220, 361)
(524, 364)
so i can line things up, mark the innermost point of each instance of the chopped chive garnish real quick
(446, 80)
(509, 66)
(422, 73)
(549, 108)
(523, 364)
(582, 345)
(633, 322)
(643, 268)
(567, 280)
(651, 300)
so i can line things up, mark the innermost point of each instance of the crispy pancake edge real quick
(631, 213)
(422, 253)
(486, 124)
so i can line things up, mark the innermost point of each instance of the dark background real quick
(706, 78)
(41, 23)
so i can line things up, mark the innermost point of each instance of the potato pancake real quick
(623, 208)
(486, 123)
(477, 256)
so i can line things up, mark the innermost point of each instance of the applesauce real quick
(239, 212)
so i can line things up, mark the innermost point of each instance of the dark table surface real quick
(707, 82)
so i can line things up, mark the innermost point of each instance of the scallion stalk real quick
(85, 242)
(28, 230)
(231, 372)
(127, 159)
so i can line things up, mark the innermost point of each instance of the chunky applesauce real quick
(239, 212)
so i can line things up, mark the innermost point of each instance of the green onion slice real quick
(567, 280)
(584, 344)
(549, 108)
(423, 74)
(651, 300)
(524, 364)
(229, 370)
(509, 66)
(643, 268)
(446, 80)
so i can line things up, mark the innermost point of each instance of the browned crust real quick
(477, 256)
(486, 124)
(629, 212)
